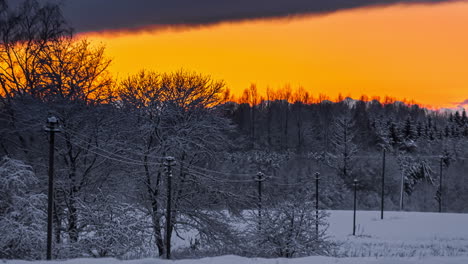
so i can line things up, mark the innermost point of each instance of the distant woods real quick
(115, 135)
(253, 96)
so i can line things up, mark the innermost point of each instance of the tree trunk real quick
(285, 128)
(58, 224)
(155, 215)
(72, 218)
(269, 124)
(253, 126)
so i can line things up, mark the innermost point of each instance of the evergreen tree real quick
(394, 135)
(408, 130)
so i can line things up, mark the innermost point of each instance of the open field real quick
(400, 234)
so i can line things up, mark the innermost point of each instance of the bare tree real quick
(43, 70)
(175, 115)
(27, 35)
(344, 148)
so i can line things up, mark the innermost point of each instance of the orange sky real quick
(416, 52)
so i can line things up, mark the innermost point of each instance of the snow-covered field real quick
(240, 260)
(402, 237)
(402, 234)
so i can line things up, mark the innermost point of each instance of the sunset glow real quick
(417, 52)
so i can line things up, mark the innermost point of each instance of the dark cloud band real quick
(100, 15)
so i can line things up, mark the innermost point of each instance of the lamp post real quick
(317, 178)
(355, 183)
(440, 183)
(260, 179)
(170, 161)
(383, 185)
(52, 128)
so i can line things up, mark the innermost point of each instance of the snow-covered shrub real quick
(287, 229)
(22, 212)
(110, 228)
(214, 233)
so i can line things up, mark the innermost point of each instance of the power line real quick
(200, 171)
(217, 172)
(132, 162)
(196, 173)
(78, 135)
(122, 158)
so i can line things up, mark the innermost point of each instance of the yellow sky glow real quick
(415, 52)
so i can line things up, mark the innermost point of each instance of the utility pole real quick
(170, 161)
(355, 183)
(317, 178)
(260, 179)
(51, 127)
(383, 185)
(440, 184)
(401, 190)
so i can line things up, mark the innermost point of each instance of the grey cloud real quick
(462, 103)
(100, 15)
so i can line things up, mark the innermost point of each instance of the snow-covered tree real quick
(173, 114)
(415, 171)
(111, 228)
(408, 129)
(288, 230)
(22, 212)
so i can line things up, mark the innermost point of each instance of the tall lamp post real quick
(355, 183)
(170, 161)
(52, 128)
(383, 186)
(260, 178)
(317, 178)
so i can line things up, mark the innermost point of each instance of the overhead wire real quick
(116, 157)
(126, 161)
(198, 171)
(80, 137)
(119, 157)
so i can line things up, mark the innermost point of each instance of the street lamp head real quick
(260, 176)
(355, 182)
(317, 175)
(169, 161)
(52, 120)
(52, 123)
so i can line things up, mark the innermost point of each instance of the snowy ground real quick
(404, 234)
(401, 238)
(400, 234)
(240, 260)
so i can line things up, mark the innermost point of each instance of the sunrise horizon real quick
(247, 131)
(412, 51)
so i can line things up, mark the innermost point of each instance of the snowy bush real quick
(22, 212)
(110, 228)
(288, 230)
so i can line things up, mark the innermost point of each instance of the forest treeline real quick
(110, 194)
